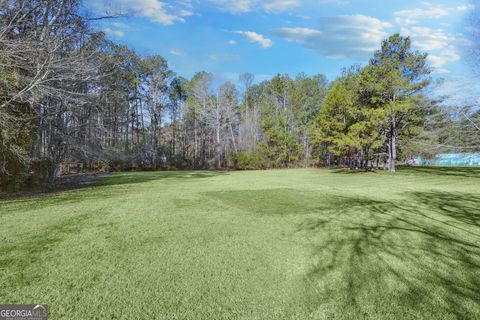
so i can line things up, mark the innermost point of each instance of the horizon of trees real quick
(70, 99)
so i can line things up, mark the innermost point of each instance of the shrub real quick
(250, 161)
(116, 159)
(36, 176)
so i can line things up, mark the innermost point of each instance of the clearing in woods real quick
(280, 244)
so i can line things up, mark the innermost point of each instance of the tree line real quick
(71, 99)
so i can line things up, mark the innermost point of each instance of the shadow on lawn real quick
(466, 172)
(354, 171)
(375, 258)
(40, 201)
(27, 257)
(148, 176)
(97, 191)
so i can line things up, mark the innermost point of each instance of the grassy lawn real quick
(287, 244)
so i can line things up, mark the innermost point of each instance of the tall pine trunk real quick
(392, 154)
(392, 144)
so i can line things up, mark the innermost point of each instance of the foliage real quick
(372, 112)
(392, 82)
(250, 161)
(84, 101)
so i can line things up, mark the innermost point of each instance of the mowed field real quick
(280, 244)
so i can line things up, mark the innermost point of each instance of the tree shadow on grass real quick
(148, 176)
(418, 258)
(466, 172)
(26, 258)
(26, 203)
(463, 208)
(353, 171)
(96, 191)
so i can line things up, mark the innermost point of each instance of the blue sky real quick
(228, 37)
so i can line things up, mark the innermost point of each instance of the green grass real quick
(288, 244)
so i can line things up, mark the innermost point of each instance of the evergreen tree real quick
(392, 82)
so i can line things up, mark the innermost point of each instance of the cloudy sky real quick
(266, 37)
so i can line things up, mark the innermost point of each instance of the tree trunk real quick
(218, 148)
(195, 141)
(306, 148)
(392, 155)
(233, 139)
(392, 148)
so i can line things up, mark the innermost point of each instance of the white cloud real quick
(444, 57)
(440, 45)
(154, 10)
(280, 5)
(232, 42)
(466, 7)
(459, 90)
(120, 25)
(296, 34)
(428, 11)
(347, 36)
(178, 53)
(185, 13)
(440, 71)
(113, 33)
(116, 29)
(235, 6)
(243, 6)
(255, 37)
(428, 39)
(411, 16)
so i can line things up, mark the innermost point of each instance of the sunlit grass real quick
(287, 244)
